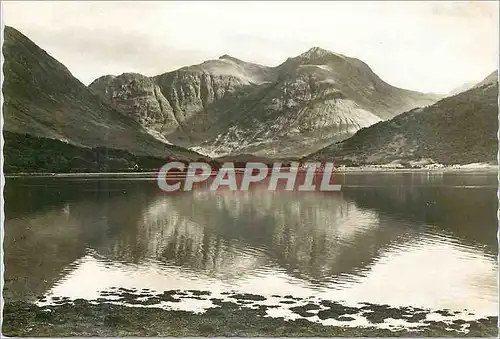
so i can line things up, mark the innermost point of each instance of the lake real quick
(425, 240)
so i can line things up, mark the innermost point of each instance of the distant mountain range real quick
(318, 105)
(460, 129)
(228, 106)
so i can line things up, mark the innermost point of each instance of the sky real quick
(424, 46)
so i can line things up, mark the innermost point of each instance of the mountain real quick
(169, 101)
(228, 106)
(460, 129)
(491, 78)
(462, 88)
(139, 98)
(44, 100)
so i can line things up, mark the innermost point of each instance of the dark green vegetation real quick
(457, 130)
(24, 153)
(43, 99)
(81, 318)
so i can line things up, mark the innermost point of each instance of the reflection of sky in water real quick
(450, 281)
(403, 246)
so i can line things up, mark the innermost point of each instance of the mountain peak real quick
(229, 58)
(316, 52)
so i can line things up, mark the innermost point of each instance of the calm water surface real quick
(403, 239)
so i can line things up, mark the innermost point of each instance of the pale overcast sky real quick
(425, 46)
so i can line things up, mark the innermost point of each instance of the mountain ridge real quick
(445, 133)
(42, 98)
(490, 78)
(317, 104)
(229, 106)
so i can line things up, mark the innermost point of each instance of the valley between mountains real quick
(318, 105)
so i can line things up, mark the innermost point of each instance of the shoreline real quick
(360, 169)
(227, 318)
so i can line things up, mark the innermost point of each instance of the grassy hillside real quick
(456, 130)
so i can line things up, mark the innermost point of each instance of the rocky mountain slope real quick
(460, 129)
(168, 102)
(43, 99)
(228, 106)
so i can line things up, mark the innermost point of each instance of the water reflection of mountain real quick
(37, 249)
(228, 235)
(50, 224)
(33, 195)
(310, 236)
(463, 209)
